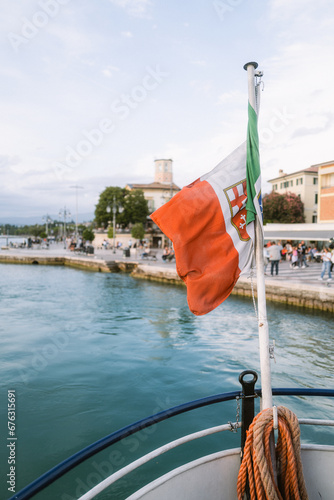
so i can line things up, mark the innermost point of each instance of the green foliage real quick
(110, 232)
(138, 231)
(135, 208)
(88, 234)
(282, 208)
(36, 230)
(102, 216)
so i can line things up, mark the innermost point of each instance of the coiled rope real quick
(256, 466)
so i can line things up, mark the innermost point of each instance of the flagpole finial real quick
(255, 64)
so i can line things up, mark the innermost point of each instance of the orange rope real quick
(256, 468)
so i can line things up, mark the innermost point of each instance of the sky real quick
(93, 91)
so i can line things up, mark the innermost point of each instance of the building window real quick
(150, 205)
(316, 198)
(327, 180)
(315, 180)
(291, 183)
(314, 219)
(281, 185)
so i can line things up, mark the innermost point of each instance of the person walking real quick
(289, 249)
(274, 257)
(326, 264)
(303, 249)
(300, 255)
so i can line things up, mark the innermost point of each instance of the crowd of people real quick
(299, 257)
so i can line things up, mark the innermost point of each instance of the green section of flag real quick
(253, 171)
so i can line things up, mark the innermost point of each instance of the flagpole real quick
(267, 400)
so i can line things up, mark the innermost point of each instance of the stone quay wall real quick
(316, 296)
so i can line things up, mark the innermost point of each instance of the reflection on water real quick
(89, 353)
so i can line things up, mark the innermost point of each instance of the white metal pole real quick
(267, 400)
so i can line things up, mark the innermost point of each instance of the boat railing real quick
(70, 463)
(154, 454)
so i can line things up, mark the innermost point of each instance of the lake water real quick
(88, 353)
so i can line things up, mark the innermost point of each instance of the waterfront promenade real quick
(299, 287)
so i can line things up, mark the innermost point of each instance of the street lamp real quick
(47, 219)
(115, 206)
(76, 210)
(64, 213)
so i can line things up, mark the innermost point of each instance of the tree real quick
(102, 216)
(138, 231)
(284, 208)
(36, 230)
(88, 234)
(135, 207)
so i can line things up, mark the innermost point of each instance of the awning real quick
(299, 232)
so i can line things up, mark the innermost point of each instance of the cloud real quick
(315, 124)
(127, 34)
(109, 71)
(76, 40)
(234, 96)
(298, 9)
(201, 86)
(7, 161)
(65, 81)
(296, 122)
(136, 8)
(198, 63)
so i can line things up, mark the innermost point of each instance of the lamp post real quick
(115, 206)
(76, 210)
(64, 213)
(47, 219)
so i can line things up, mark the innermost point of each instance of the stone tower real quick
(163, 171)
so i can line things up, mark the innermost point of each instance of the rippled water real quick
(88, 353)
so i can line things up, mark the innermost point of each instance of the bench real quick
(149, 255)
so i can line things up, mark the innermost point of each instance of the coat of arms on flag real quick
(237, 197)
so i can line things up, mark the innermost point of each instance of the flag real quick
(207, 223)
(254, 199)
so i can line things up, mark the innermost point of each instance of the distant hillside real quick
(22, 221)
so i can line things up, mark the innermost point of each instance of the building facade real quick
(304, 184)
(326, 192)
(160, 191)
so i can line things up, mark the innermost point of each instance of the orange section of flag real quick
(206, 258)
